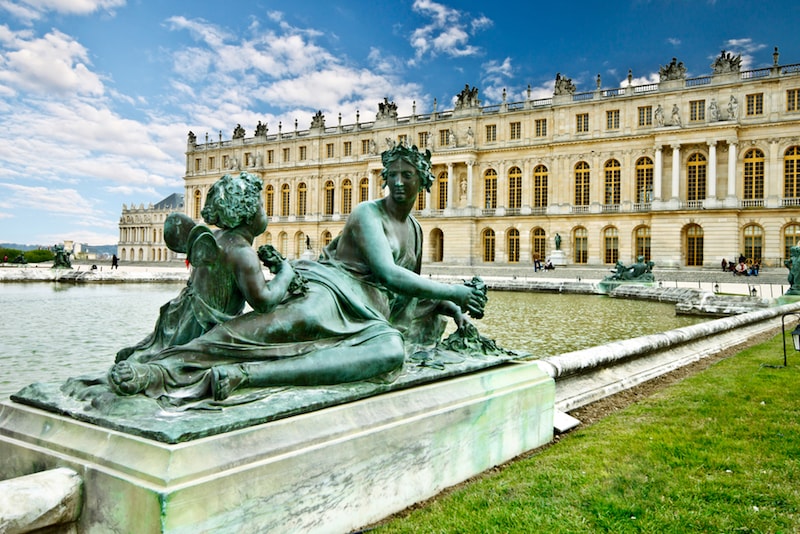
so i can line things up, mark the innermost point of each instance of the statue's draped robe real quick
(344, 307)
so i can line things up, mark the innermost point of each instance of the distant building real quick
(141, 231)
(686, 171)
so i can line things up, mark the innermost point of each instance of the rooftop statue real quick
(564, 86)
(357, 314)
(226, 272)
(675, 70)
(467, 98)
(238, 132)
(386, 110)
(318, 120)
(61, 258)
(726, 62)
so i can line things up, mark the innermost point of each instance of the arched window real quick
(694, 246)
(515, 188)
(283, 240)
(538, 242)
(791, 238)
(580, 238)
(268, 238)
(347, 196)
(642, 245)
(302, 196)
(753, 239)
(285, 196)
(644, 180)
(198, 203)
(791, 173)
(299, 244)
(487, 238)
(363, 190)
(753, 175)
(490, 189)
(581, 183)
(696, 177)
(612, 185)
(326, 238)
(512, 245)
(269, 200)
(611, 245)
(437, 245)
(441, 187)
(329, 189)
(540, 186)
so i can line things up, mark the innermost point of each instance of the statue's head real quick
(233, 200)
(411, 155)
(640, 259)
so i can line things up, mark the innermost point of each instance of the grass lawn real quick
(717, 452)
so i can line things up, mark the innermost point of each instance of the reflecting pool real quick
(53, 331)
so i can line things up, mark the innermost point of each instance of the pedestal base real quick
(332, 470)
(558, 258)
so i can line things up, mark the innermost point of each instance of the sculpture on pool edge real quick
(793, 264)
(365, 308)
(61, 258)
(641, 271)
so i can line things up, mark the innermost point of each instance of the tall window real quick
(197, 163)
(423, 139)
(491, 133)
(512, 242)
(444, 137)
(329, 190)
(329, 150)
(612, 119)
(364, 147)
(538, 243)
(487, 238)
(754, 104)
(611, 244)
(490, 189)
(540, 186)
(582, 122)
(753, 241)
(515, 188)
(791, 238)
(696, 177)
(402, 139)
(646, 116)
(347, 196)
(363, 190)
(697, 110)
(753, 174)
(211, 162)
(326, 238)
(791, 172)
(612, 189)
(644, 180)
(441, 185)
(303, 153)
(269, 200)
(793, 100)
(348, 148)
(694, 246)
(437, 245)
(540, 126)
(421, 200)
(302, 197)
(270, 157)
(283, 243)
(285, 196)
(516, 130)
(198, 203)
(642, 236)
(580, 238)
(286, 153)
(582, 184)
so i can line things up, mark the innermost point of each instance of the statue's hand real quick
(271, 258)
(471, 300)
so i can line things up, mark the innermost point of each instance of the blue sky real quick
(97, 96)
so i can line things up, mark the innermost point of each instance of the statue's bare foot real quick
(225, 379)
(128, 378)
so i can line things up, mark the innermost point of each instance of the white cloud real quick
(448, 32)
(745, 48)
(30, 10)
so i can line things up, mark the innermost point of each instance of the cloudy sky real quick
(97, 96)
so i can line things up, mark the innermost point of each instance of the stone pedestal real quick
(331, 470)
(558, 258)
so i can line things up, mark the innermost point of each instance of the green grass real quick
(717, 452)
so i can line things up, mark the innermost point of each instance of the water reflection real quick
(51, 332)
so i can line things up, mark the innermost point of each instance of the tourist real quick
(365, 302)
(114, 262)
(724, 264)
(227, 271)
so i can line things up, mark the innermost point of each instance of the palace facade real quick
(141, 231)
(685, 171)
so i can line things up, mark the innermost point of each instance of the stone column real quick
(772, 173)
(676, 171)
(657, 172)
(732, 169)
(711, 191)
(470, 164)
(450, 186)
(371, 184)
